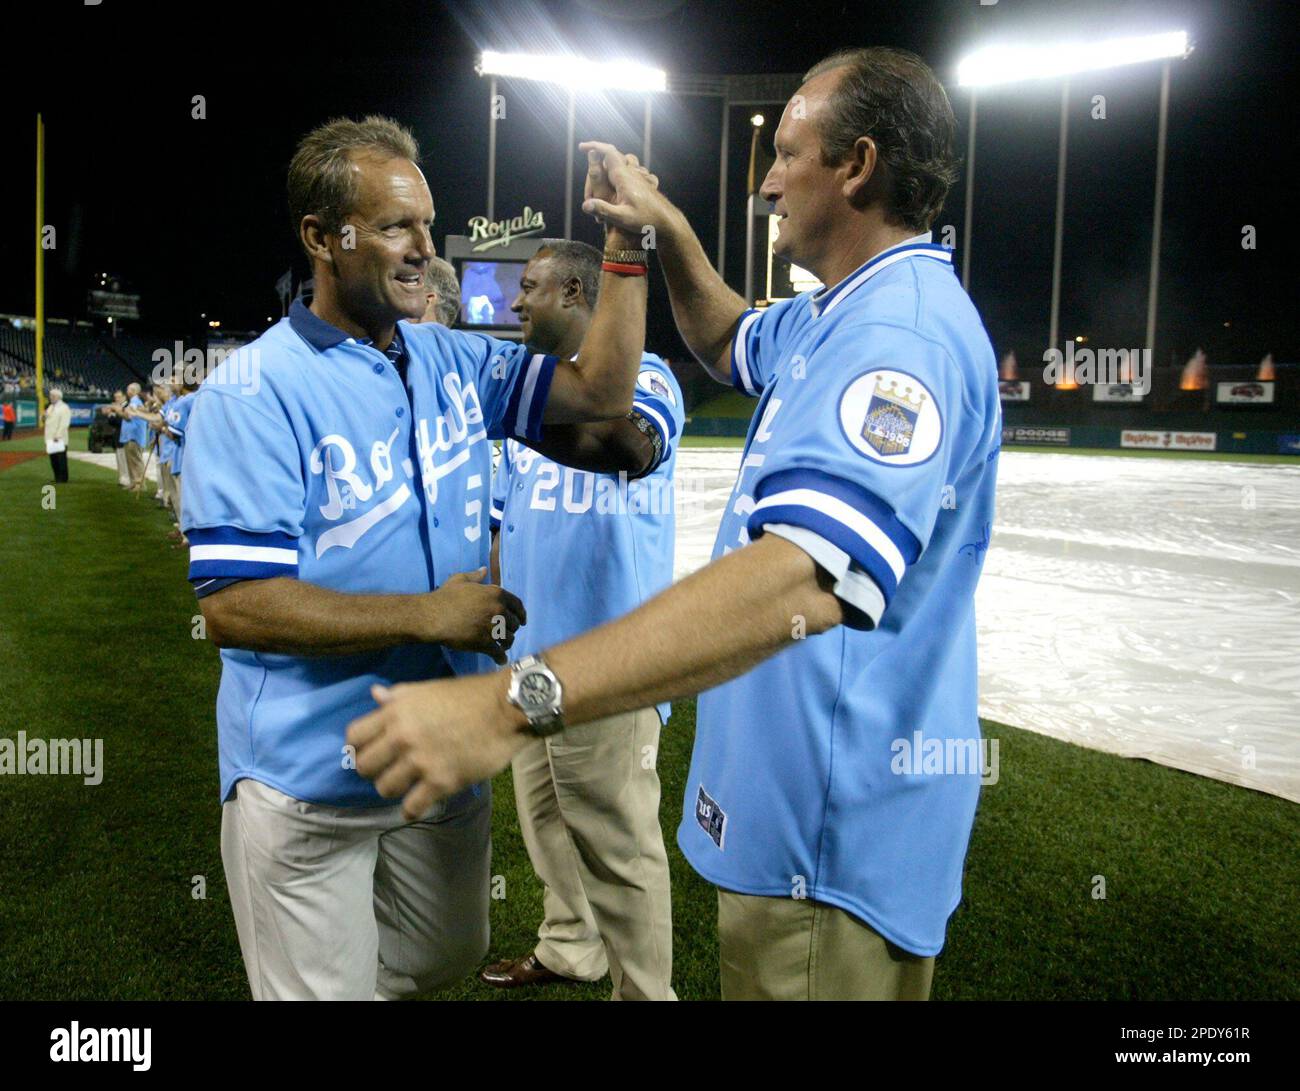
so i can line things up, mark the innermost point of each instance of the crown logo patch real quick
(891, 416)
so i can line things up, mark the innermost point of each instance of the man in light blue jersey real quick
(177, 417)
(164, 445)
(336, 492)
(836, 764)
(134, 437)
(581, 547)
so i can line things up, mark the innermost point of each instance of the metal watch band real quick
(544, 711)
(628, 257)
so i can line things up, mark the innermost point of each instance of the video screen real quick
(487, 288)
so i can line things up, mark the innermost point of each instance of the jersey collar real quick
(826, 299)
(322, 335)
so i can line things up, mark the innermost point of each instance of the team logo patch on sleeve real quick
(891, 417)
(654, 383)
(711, 817)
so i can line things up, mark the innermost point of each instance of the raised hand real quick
(620, 192)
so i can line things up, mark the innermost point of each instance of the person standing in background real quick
(588, 796)
(57, 418)
(135, 437)
(177, 415)
(441, 293)
(10, 419)
(116, 413)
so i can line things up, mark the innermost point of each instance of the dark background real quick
(192, 212)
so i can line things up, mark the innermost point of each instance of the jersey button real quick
(435, 520)
(511, 527)
(400, 410)
(379, 369)
(518, 488)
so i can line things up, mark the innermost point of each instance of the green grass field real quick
(97, 882)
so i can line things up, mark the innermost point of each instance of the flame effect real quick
(1196, 372)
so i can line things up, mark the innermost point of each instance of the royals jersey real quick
(582, 548)
(177, 416)
(307, 457)
(846, 768)
(166, 443)
(134, 430)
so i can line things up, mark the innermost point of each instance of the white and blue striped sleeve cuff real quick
(742, 356)
(527, 400)
(655, 412)
(847, 515)
(231, 553)
(852, 585)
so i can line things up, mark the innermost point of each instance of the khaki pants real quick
(165, 484)
(135, 465)
(798, 949)
(588, 800)
(123, 475)
(176, 497)
(355, 903)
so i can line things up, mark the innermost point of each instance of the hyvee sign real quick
(1179, 441)
(485, 233)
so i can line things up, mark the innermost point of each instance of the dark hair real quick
(576, 259)
(892, 96)
(321, 179)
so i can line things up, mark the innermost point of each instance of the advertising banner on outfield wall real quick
(1288, 444)
(1054, 437)
(1010, 391)
(1116, 392)
(1253, 392)
(1169, 441)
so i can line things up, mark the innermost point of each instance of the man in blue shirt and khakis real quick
(834, 628)
(580, 548)
(336, 496)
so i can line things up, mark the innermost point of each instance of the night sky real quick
(192, 212)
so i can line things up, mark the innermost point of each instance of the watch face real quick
(536, 690)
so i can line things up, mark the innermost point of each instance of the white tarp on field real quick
(1148, 607)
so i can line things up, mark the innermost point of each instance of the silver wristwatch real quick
(537, 693)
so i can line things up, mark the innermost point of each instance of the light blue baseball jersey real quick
(178, 417)
(582, 548)
(134, 430)
(874, 448)
(307, 458)
(166, 444)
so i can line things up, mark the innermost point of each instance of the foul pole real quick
(40, 268)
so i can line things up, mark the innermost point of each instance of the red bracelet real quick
(624, 270)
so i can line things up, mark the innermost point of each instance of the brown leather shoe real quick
(514, 973)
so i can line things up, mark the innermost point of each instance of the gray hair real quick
(893, 97)
(321, 180)
(440, 277)
(55, 392)
(575, 259)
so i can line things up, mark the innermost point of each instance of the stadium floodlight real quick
(576, 73)
(997, 64)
